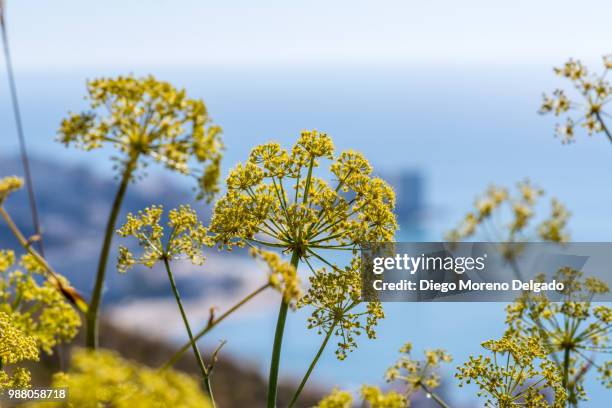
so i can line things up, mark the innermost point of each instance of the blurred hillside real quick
(74, 203)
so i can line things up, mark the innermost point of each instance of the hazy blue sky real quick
(65, 34)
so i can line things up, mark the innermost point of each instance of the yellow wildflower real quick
(39, 310)
(103, 378)
(417, 374)
(147, 118)
(518, 375)
(336, 399)
(9, 185)
(281, 199)
(521, 210)
(334, 294)
(15, 347)
(185, 239)
(594, 92)
(308, 215)
(572, 328)
(378, 399)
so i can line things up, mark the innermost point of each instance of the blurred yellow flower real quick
(103, 379)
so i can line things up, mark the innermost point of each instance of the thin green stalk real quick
(211, 325)
(435, 397)
(20, 133)
(194, 346)
(278, 342)
(603, 126)
(297, 393)
(566, 363)
(93, 314)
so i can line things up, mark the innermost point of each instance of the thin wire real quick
(22, 143)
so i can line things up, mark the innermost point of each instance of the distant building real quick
(409, 190)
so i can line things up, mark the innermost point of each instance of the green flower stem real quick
(211, 325)
(278, 341)
(566, 363)
(603, 125)
(435, 397)
(194, 346)
(312, 366)
(93, 313)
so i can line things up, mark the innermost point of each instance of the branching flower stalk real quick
(185, 240)
(212, 323)
(203, 369)
(276, 199)
(144, 119)
(282, 276)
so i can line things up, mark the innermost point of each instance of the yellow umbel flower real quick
(15, 347)
(334, 294)
(372, 396)
(336, 399)
(573, 328)
(282, 199)
(519, 209)
(519, 374)
(594, 92)
(185, 239)
(7, 259)
(103, 378)
(378, 399)
(8, 185)
(276, 196)
(417, 374)
(38, 310)
(147, 118)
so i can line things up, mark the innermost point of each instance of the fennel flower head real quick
(574, 324)
(103, 379)
(417, 374)
(518, 375)
(15, 347)
(511, 217)
(372, 397)
(277, 199)
(38, 310)
(183, 237)
(587, 110)
(147, 118)
(285, 199)
(9, 185)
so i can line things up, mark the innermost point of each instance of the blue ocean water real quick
(463, 127)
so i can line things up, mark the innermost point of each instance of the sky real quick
(75, 34)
